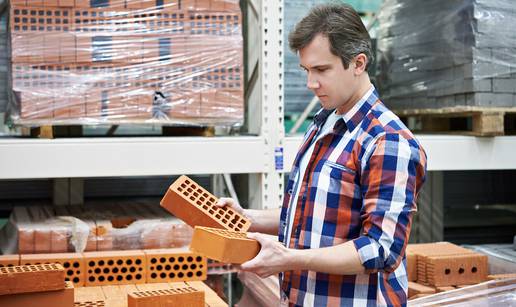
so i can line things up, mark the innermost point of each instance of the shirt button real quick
(289, 191)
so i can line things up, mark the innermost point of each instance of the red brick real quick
(82, 3)
(18, 3)
(25, 237)
(51, 48)
(31, 278)
(224, 245)
(114, 267)
(95, 303)
(59, 298)
(501, 276)
(232, 5)
(42, 240)
(9, 260)
(175, 296)
(174, 264)
(51, 3)
(188, 4)
(202, 4)
(73, 264)
(456, 270)
(415, 289)
(411, 266)
(117, 4)
(67, 48)
(66, 3)
(217, 5)
(37, 45)
(196, 207)
(59, 237)
(83, 49)
(173, 5)
(133, 4)
(148, 4)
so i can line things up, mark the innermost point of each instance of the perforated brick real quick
(58, 298)
(196, 206)
(9, 260)
(224, 245)
(90, 304)
(456, 269)
(31, 278)
(501, 276)
(415, 289)
(177, 296)
(40, 20)
(174, 265)
(114, 268)
(73, 264)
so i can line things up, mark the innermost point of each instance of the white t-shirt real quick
(326, 128)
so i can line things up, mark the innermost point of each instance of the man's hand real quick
(230, 202)
(272, 258)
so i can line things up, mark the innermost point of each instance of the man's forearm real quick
(264, 221)
(340, 259)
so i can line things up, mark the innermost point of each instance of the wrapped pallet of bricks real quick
(448, 55)
(126, 61)
(42, 229)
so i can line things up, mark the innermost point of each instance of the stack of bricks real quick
(118, 267)
(105, 61)
(442, 266)
(37, 229)
(465, 58)
(34, 286)
(220, 232)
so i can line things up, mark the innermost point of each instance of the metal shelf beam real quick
(139, 156)
(449, 152)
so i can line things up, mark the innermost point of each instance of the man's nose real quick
(312, 83)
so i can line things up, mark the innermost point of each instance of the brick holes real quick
(173, 268)
(103, 271)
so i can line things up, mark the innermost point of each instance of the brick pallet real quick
(126, 61)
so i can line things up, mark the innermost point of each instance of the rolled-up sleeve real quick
(393, 171)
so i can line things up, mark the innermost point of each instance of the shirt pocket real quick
(336, 178)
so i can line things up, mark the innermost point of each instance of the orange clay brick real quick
(415, 289)
(90, 304)
(173, 297)
(411, 266)
(196, 206)
(224, 245)
(456, 270)
(114, 267)
(211, 299)
(501, 276)
(31, 278)
(432, 249)
(59, 298)
(444, 289)
(9, 260)
(174, 265)
(73, 264)
(419, 296)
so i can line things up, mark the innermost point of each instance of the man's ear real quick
(360, 63)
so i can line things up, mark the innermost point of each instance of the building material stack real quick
(447, 54)
(126, 61)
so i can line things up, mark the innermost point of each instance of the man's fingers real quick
(250, 265)
(224, 201)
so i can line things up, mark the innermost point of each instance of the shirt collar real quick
(354, 116)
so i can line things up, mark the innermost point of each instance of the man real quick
(352, 191)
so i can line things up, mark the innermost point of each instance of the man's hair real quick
(341, 24)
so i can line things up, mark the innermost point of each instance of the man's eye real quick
(321, 69)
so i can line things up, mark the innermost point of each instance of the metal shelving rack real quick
(265, 157)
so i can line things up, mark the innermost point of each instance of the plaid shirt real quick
(361, 184)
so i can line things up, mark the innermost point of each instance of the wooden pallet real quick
(476, 121)
(51, 132)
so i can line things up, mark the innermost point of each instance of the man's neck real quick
(365, 85)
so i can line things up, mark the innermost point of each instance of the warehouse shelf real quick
(449, 152)
(135, 156)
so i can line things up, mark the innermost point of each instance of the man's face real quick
(327, 78)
